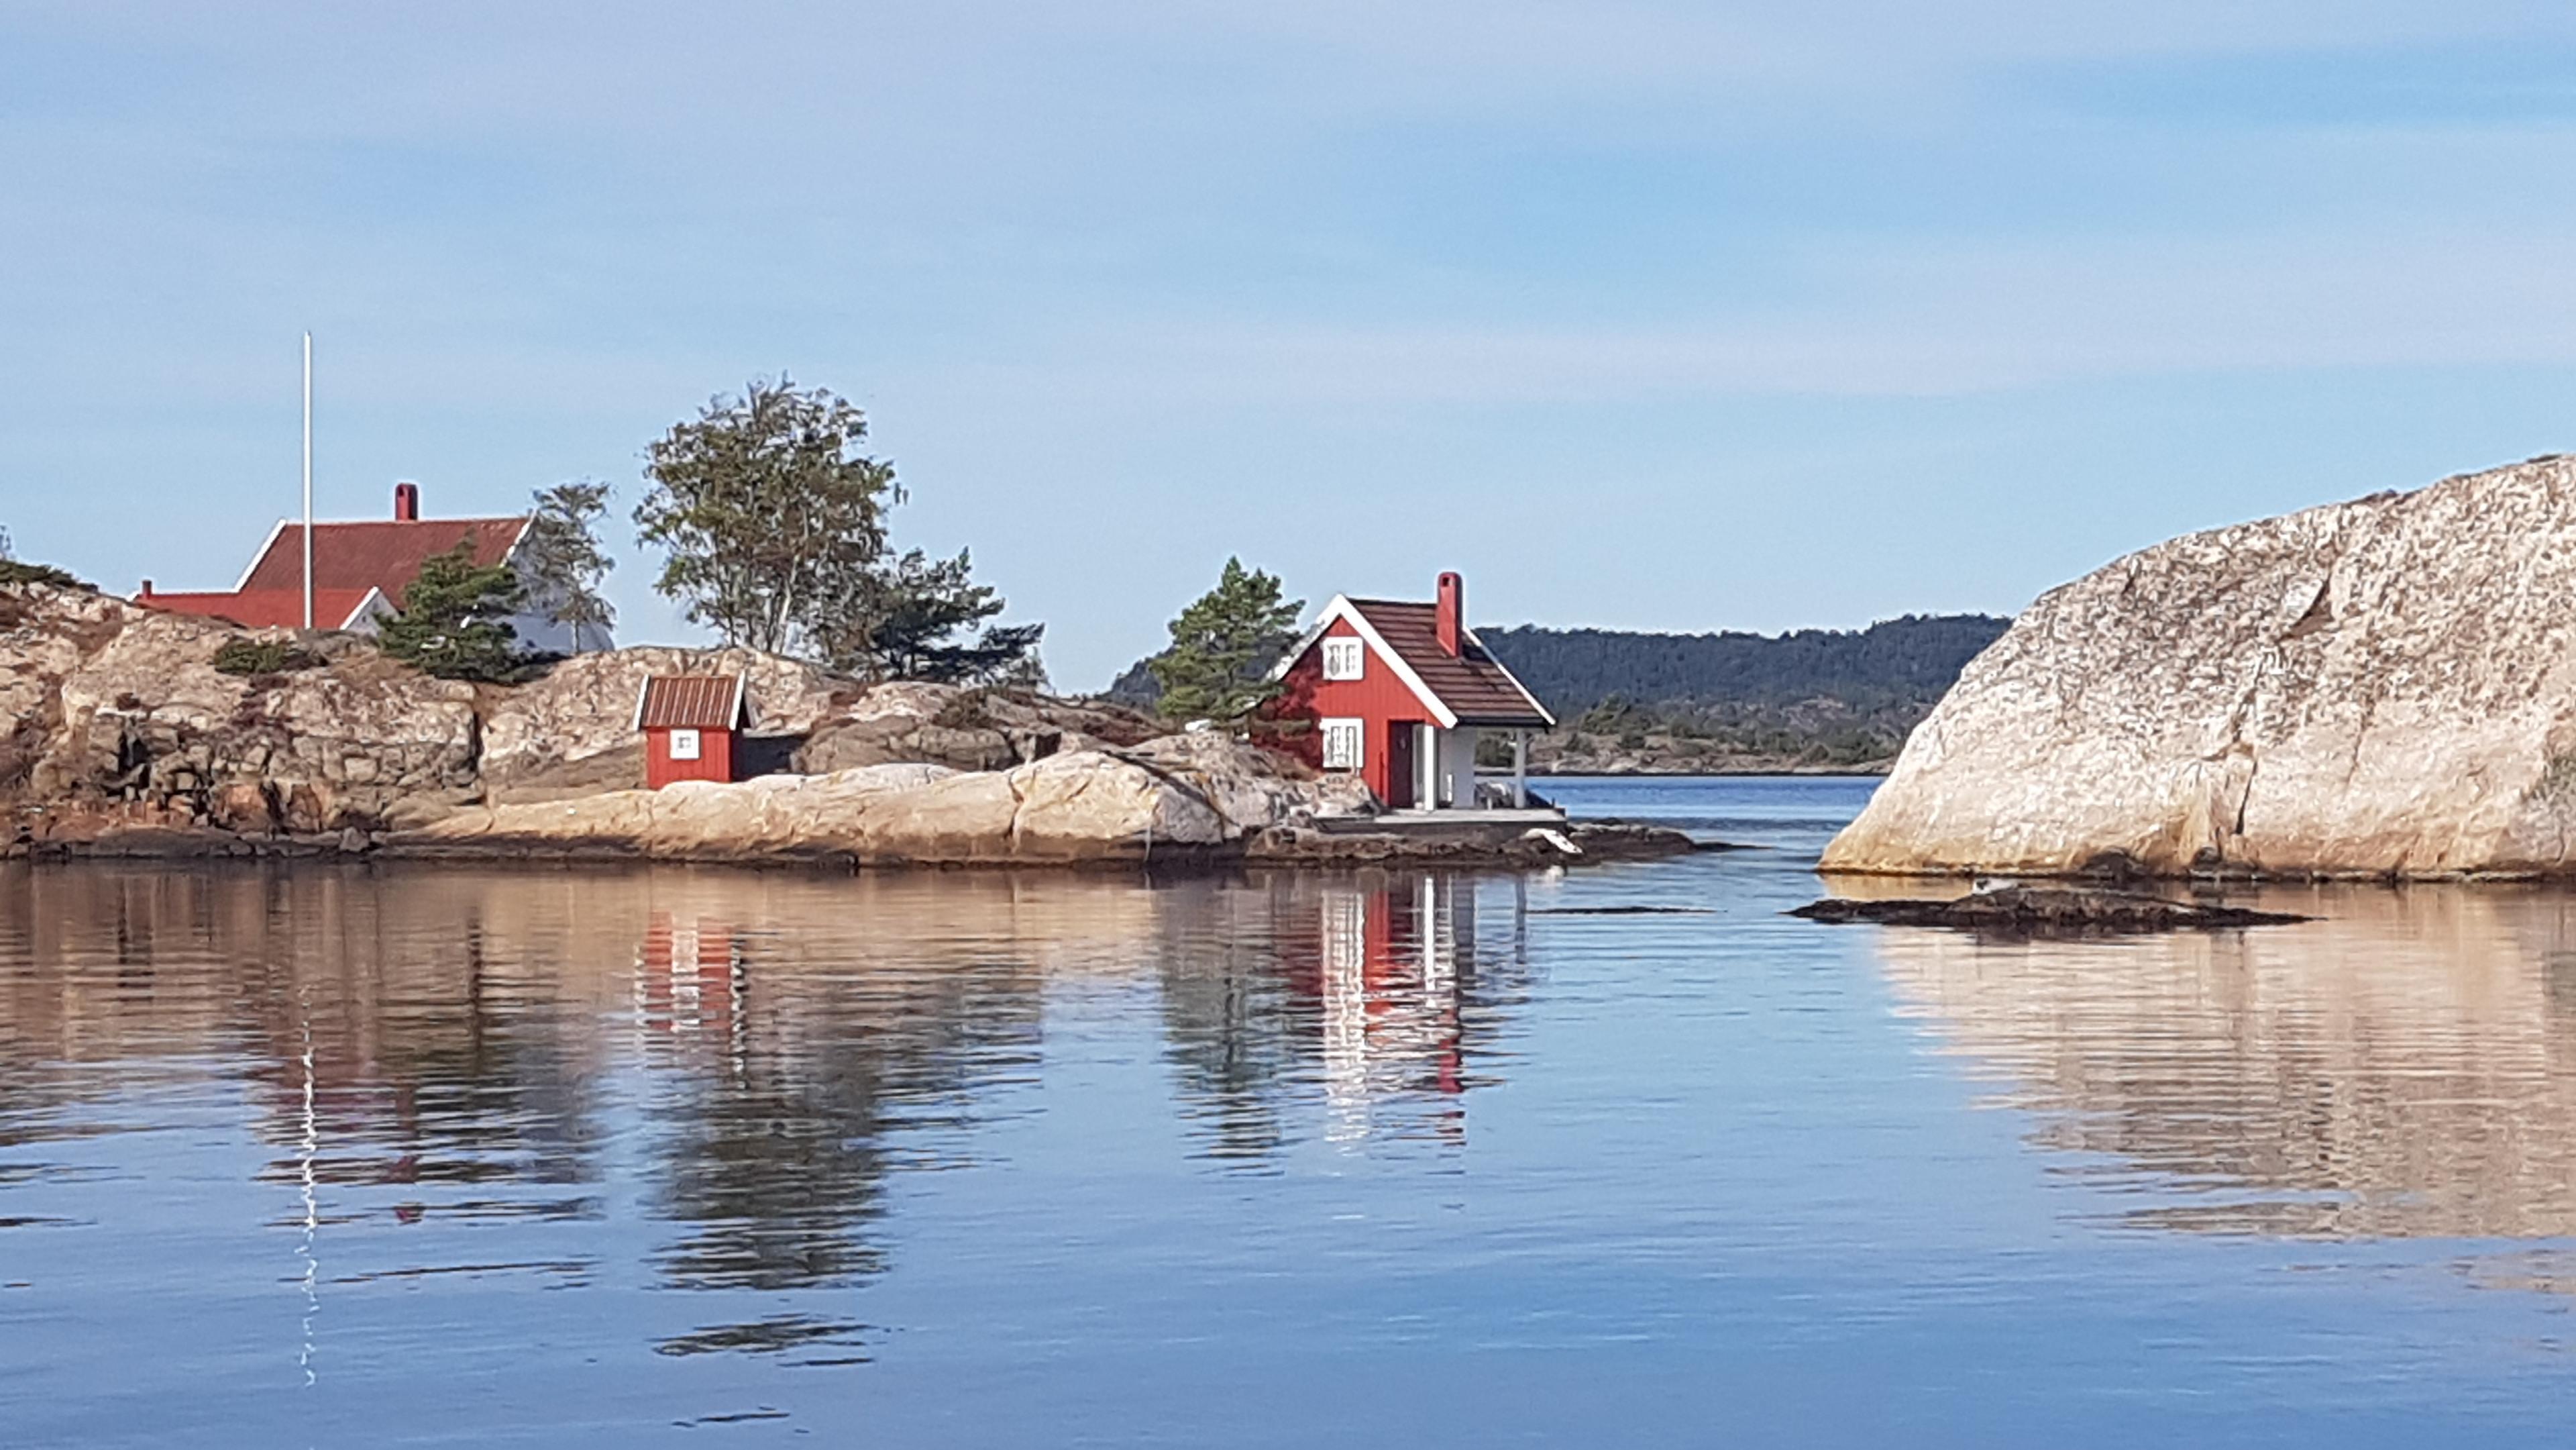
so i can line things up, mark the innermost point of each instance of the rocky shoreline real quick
(129, 743)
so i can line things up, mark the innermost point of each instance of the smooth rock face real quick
(571, 731)
(1183, 793)
(2381, 687)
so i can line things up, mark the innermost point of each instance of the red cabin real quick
(1398, 693)
(689, 724)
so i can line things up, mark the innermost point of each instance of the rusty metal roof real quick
(1471, 683)
(691, 702)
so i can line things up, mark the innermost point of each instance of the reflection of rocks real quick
(437, 1048)
(2406, 1066)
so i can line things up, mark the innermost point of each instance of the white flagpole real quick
(308, 480)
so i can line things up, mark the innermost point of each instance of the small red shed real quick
(689, 724)
(1398, 692)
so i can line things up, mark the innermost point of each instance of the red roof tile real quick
(377, 554)
(1472, 683)
(690, 702)
(262, 608)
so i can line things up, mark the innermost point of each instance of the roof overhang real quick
(1341, 611)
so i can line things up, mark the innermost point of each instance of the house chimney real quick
(1452, 618)
(406, 503)
(147, 590)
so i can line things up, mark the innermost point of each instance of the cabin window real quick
(1343, 659)
(684, 745)
(1341, 745)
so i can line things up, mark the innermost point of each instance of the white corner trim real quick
(261, 557)
(1496, 661)
(640, 687)
(734, 719)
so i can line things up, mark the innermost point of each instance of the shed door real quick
(1401, 768)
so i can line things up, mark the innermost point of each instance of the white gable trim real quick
(1342, 610)
(261, 557)
(373, 603)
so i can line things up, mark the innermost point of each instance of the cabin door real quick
(1402, 769)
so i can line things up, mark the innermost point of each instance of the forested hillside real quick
(1811, 699)
(1909, 659)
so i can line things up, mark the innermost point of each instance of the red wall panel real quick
(1377, 696)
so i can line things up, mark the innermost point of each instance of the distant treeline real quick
(1901, 662)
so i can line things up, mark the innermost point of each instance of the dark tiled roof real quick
(1475, 688)
(689, 702)
(260, 608)
(379, 554)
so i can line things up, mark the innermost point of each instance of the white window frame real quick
(685, 745)
(1345, 743)
(1345, 657)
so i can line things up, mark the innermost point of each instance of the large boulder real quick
(1186, 795)
(964, 728)
(2380, 687)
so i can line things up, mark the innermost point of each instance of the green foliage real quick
(452, 621)
(13, 571)
(919, 618)
(771, 519)
(1899, 662)
(565, 562)
(1223, 646)
(241, 656)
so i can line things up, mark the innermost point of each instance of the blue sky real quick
(1654, 316)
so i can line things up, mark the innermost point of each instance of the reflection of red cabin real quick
(1398, 692)
(689, 724)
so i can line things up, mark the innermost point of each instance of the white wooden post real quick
(1520, 770)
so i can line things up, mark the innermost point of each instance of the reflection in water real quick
(469, 1048)
(2406, 1066)
(1378, 987)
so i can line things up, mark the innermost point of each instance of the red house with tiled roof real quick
(689, 723)
(1398, 693)
(360, 570)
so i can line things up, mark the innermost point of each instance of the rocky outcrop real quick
(2046, 911)
(1179, 796)
(964, 729)
(571, 731)
(142, 717)
(117, 714)
(2380, 687)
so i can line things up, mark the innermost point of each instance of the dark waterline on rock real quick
(327, 1154)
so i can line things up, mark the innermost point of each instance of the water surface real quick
(339, 1155)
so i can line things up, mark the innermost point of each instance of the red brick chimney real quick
(1452, 619)
(406, 503)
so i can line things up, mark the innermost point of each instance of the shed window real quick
(1344, 659)
(684, 745)
(1341, 745)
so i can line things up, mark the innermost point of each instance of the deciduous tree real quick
(770, 516)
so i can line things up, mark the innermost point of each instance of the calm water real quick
(410, 1156)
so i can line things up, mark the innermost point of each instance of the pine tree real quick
(453, 617)
(1223, 646)
(565, 561)
(905, 623)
